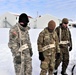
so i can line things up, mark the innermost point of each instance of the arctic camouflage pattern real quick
(45, 38)
(14, 45)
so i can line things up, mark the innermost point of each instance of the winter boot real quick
(63, 73)
(55, 72)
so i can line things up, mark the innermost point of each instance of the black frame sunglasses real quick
(65, 23)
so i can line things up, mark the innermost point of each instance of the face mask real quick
(24, 24)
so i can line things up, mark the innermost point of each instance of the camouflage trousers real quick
(27, 66)
(64, 58)
(47, 66)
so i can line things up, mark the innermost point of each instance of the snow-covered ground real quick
(6, 60)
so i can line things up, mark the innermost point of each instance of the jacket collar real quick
(23, 28)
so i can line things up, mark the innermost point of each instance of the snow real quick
(6, 60)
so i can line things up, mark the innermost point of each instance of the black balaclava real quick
(24, 19)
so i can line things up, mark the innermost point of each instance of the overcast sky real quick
(57, 8)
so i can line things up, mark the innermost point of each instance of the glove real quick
(18, 58)
(41, 57)
(31, 53)
(61, 46)
(57, 55)
(70, 48)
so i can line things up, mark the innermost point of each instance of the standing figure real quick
(20, 45)
(65, 44)
(48, 46)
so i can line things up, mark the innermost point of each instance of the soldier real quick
(20, 45)
(65, 41)
(48, 46)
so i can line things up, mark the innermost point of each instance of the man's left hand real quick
(31, 53)
(70, 48)
(57, 55)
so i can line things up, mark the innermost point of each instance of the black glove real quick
(70, 48)
(57, 55)
(18, 58)
(31, 53)
(41, 57)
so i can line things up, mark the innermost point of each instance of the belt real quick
(64, 42)
(23, 47)
(48, 46)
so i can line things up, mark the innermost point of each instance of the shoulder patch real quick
(14, 34)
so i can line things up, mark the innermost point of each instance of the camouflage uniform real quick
(64, 35)
(14, 45)
(45, 38)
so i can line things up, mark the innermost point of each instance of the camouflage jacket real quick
(14, 38)
(64, 34)
(45, 38)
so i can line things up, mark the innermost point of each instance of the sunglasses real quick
(65, 23)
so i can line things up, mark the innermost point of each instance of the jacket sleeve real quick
(40, 42)
(28, 37)
(57, 31)
(29, 42)
(70, 39)
(57, 44)
(13, 41)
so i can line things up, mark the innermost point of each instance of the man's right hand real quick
(41, 56)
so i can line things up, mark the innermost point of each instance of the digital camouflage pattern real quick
(14, 45)
(45, 38)
(65, 36)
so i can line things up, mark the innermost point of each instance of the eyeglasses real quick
(65, 23)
